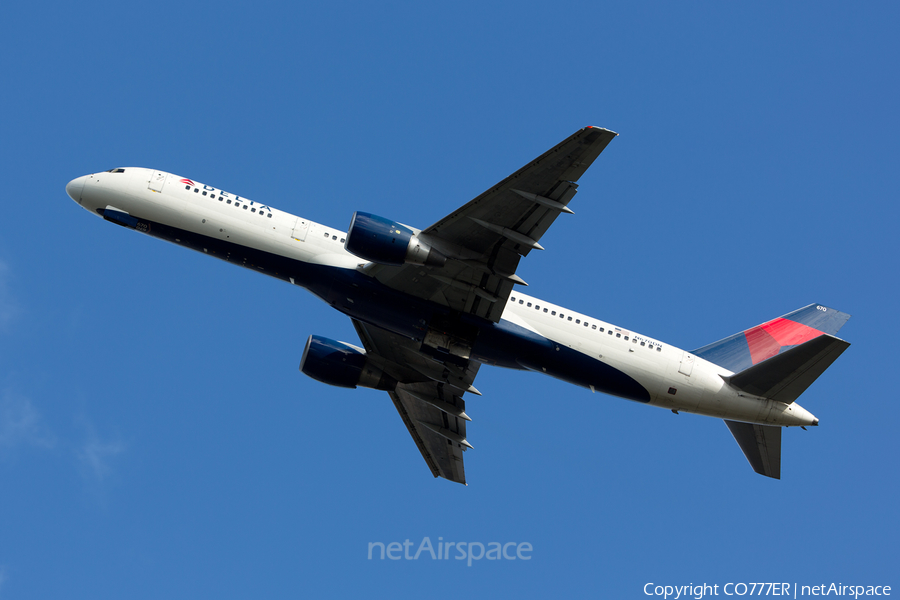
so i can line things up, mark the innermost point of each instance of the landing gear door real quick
(157, 181)
(687, 364)
(301, 228)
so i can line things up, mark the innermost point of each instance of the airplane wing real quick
(485, 239)
(430, 403)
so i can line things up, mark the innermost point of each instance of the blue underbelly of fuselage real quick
(361, 297)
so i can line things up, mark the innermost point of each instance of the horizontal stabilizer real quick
(761, 444)
(785, 376)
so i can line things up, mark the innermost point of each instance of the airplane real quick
(432, 305)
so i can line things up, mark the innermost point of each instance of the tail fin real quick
(782, 378)
(777, 360)
(752, 346)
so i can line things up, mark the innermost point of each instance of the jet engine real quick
(387, 242)
(342, 365)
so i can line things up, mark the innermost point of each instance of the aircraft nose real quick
(75, 187)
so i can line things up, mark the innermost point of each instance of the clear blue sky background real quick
(156, 437)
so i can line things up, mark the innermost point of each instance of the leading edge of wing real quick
(567, 161)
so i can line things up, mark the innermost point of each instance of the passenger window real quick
(252, 210)
(196, 190)
(553, 312)
(618, 335)
(545, 310)
(594, 327)
(528, 305)
(521, 302)
(642, 343)
(578, 321)
(334, 237)
(512, 299)
(659, 348)
(342, 240)
(326, 234)
(269, 215)
(204, 192)
(228, 201)
(610, 332)
(585, 324)
(187, 187)
(570, 318)
(245, 207)
(626, 338)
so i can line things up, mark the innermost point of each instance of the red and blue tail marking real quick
(747, 348)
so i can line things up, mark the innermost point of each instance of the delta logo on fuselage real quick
(213, 191)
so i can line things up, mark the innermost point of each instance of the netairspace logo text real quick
(795, 590)
(467, 551)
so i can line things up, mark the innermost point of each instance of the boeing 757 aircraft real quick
(432, 305)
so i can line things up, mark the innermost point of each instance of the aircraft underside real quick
(432, 306)
(502, 344)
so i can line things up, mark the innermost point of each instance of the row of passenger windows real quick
(237, 204)
(586, 324)
(334, 237)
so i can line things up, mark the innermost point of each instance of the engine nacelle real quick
(387, 242)
(342, 365)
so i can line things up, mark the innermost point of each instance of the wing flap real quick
(424, 421)
(429, 398)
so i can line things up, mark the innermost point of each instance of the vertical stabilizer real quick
(752, 346)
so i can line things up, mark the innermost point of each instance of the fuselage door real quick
(301, 228)
(687, 364)
(157, 181)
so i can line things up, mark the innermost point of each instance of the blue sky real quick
(156, 437)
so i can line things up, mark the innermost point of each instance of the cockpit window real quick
(116, 171)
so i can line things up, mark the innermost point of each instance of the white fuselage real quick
(674, 378)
